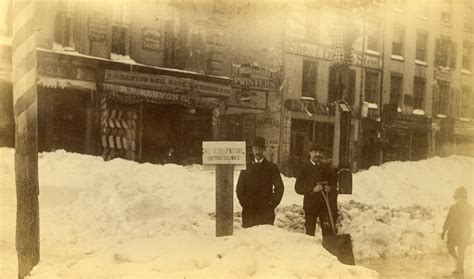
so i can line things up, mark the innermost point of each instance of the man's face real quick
(316, 156)
(258, 152)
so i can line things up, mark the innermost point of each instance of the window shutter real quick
(332, 89)
(452, 55)
(435, 99)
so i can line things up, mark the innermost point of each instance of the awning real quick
(51, 82)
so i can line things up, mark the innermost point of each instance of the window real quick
(446, 11)
(467, 106)
(119, 40)
(468, 15)
(371, 87)
(443, 99)
(466, 55)
(348, 85)
(421, 45)
(396, 88)
(445, 53)
(423, 8)
(170, 44)
(63, 28)
(419, 90)
(312, 25)
(398, 39)
(309, 78)
(373, 42)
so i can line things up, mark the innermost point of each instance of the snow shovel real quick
(338, 245)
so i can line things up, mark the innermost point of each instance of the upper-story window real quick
(442, 106)
(347, 85)
(63, 26)
(467, 55)
(419, 89)
(468, 15)
(423, 8)
(396, 88)
(467, 102)
(398, 40)
(445, 53)
(371, 86)
(446, 11)
(421, 45)
(310, 69)
(373, 36)
(119, 40)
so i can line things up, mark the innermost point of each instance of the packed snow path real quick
(121, 218)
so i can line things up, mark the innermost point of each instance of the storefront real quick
(143, 115)
(406, 137)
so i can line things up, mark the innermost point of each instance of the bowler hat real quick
(259, 142)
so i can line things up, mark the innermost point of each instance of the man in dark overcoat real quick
(316, 176)
(259, 188)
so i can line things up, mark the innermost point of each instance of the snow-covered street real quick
(121, 219)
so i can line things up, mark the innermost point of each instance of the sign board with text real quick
(223, 152)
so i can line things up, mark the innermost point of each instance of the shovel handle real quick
(333, 227)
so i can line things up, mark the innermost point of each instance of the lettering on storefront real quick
(211, 88)
(443, 75)
(255, 77)
(147, 80)
(97, 27)
(325, 52)
(152, 94)
(151, 39)
(66, 71)
(248, 99)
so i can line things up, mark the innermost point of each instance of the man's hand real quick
(318, 188)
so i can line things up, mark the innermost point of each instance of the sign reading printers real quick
(223, 152)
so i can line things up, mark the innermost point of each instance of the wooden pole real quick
(224, 200)
(25, 108)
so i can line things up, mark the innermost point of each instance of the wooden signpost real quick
(25, 106)
(224, 155)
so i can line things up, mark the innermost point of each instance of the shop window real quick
(324, 136)
(398, 40)
(446, 11)
(468, 15)
(396, 88)
(371, 86)
(421, 45)
(467, 104)
(297, 144)
(119, 40)
(467, 55)
(445, 53)
(419, 93)
(63, 29)
(309, 78)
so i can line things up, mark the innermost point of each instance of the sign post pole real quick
(224, 155)
(25, 108)
(224, 200)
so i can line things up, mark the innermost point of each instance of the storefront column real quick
(90, 145)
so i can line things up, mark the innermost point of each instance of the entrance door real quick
(419, 146)
(160, 131)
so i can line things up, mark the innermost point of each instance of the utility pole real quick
(25, 107)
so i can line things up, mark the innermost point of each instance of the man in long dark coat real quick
(314, 177)
(259, 188)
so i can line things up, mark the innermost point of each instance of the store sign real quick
(443, 75)
(97, 27)
(152, 94)
(248, 99)
(327, 53)
(66, 71)
(151, 39)
(208, 88)
(147, 80)
(254, 77)
(223, 152)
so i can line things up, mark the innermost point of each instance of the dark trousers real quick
(319, 211)
(457, 255)
(253, 216)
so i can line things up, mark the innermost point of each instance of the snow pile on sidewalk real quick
(105, 219)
